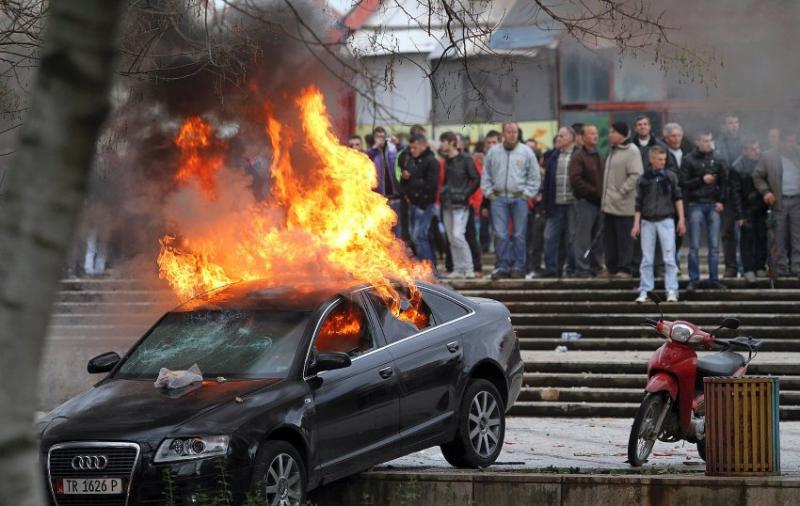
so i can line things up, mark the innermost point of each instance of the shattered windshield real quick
(233, 344)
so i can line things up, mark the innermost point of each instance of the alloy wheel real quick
(283, 485)
(484, 423)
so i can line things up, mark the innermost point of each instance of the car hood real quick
(135, 410)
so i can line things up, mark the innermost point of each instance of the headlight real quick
(189, 448)
(681, 333)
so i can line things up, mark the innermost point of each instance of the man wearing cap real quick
(623, 169)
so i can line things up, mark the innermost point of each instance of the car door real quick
(357, 407)
(429, 362)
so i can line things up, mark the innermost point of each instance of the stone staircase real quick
(603, 372)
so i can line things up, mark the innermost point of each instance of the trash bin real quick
(741, 426)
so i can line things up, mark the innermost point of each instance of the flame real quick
(341, 331)
(194, 141)
(323, 221)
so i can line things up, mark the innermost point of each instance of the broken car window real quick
(345, 330)
(233, 344)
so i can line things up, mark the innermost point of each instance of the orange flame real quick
(324, 222)
(194, 141)
(341, 331)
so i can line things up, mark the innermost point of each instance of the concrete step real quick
(603, 284)
(569, 308)
(610, 395)
(751, 321)
(119, 296)
(632, 344)
(602, 409)
(755, 368)
(614, 380)
(630, 331)
(588, 294)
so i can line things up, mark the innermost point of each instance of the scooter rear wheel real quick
(644, 432)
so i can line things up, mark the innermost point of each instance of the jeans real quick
(618, 243)
(455, 221)
(703, 214)
(420, 221)
(587, 224)
(534, 239)
(472, 239)
(560, 223)
(754, 240)
(730, 239)
(787, 234)
(664, 230)
(510, 250)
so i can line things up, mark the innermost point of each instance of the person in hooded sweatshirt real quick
(419, 183)
(623, 169)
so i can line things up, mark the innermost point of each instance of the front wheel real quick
(481, 427)
(279, 476)
(646, 428)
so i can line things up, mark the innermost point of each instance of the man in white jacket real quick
(510, 177)
(623, 168)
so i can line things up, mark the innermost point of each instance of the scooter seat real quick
(724, 363)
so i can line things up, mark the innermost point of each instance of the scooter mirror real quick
(730, 323)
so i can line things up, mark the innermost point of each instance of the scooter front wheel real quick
(646, 428)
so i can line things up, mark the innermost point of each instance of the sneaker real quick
(642, 298)
(672, 296)
(540, 275)
(499, 274)
(750, 276)
(515, 274)
(623, 275)
(453, 275)
(761, 273)
(716, 285)
(730, 273)
(468, 275)
(604, 274)
(691, 286)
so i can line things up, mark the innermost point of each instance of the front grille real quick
(122, 458)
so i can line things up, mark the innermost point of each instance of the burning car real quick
(300, 387)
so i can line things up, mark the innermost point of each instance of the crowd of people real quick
(570, 211)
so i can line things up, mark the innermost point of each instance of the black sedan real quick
(300, 387)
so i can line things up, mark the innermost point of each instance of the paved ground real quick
(592, 444)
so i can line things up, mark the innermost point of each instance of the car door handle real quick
(452, 347)
(386, 372)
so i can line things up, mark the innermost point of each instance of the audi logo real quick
(89, 462)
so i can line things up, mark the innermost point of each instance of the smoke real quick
(256, 52)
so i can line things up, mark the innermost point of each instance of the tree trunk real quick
(44, 191)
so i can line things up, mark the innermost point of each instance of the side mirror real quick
(730, 323)
(103, 363)
(329, 362)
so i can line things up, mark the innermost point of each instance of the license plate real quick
(75, 486)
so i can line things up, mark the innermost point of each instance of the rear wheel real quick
(279, 477)
(481, 427)
(645, 431)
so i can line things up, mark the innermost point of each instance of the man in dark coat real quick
(419, 181)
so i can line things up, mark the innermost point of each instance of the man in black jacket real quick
(419, 181)
(461, 180)
(704, 182)
(753, 214)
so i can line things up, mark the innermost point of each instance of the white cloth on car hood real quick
(178, 379)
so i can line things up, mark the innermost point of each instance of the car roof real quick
(262, 295)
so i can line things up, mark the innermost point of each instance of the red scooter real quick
(673, 408)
